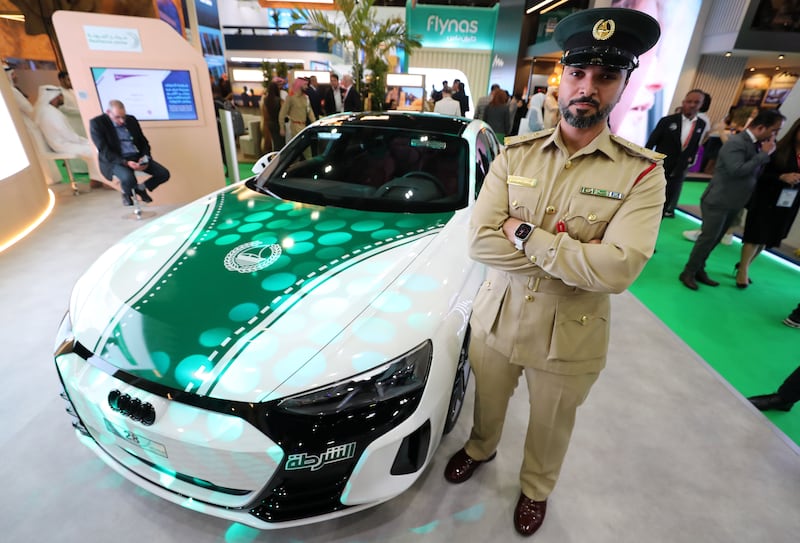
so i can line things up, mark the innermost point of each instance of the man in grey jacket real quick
(739, 163)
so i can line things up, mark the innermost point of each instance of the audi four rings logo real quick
(132, 407)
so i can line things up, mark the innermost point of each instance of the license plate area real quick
(136, 439)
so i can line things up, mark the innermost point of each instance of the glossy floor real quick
(664, 451)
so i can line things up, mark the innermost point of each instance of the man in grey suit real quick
(739, 163)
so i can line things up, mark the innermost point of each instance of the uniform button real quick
(528, 298)
(533, 259)
(568, 165)
(550, 210)
(592, 217)
(514, 203)
(584, 318)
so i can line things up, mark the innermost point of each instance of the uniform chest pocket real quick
(588, 216)
(523, 201)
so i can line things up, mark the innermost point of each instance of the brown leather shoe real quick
(703, 277)
(461, 466)
(529, 515)
(688, 280)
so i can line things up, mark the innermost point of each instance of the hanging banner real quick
(452, 28)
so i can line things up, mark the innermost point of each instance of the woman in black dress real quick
(270, 106)
(774, 203)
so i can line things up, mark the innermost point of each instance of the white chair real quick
(250, 143)
(46, 153)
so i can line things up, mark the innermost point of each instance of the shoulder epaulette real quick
(637, 150)
(516, 140)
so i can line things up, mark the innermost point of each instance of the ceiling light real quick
(780, 57)
(777, 68)
(752, 69)
(728, 53)
(554, 6)
(537, 6)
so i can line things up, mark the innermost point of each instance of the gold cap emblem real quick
(603, 29)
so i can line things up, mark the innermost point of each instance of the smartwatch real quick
(522, 233)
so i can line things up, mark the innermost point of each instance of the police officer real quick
(565, 217)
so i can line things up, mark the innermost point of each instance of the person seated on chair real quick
(123, 150)
(57, 131)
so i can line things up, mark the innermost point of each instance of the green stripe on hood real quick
(244, 265)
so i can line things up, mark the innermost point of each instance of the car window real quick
(364, 167)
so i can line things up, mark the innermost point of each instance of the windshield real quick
(371, 168)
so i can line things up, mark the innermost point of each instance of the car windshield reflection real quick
(370, 168)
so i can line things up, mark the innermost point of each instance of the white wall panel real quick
(474, 64)
(726, 16)
(721, 77)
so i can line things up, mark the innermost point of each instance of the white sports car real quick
(291, 348)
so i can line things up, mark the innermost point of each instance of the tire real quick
(459, 386)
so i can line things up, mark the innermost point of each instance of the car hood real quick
(240, 288)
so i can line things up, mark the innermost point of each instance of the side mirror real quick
(262, 162)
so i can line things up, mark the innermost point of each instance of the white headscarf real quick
(46, 94)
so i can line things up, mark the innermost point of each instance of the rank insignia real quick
(603, 193)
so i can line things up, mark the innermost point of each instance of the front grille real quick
(295, 494)
(291, 498)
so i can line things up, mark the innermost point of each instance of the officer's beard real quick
(585, 120)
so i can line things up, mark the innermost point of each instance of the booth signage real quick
(452, 28)
(111, 38)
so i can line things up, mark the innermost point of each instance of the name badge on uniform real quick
(522, 181)
(602, 193)
(786, 198)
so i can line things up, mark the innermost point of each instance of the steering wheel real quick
(426, 176)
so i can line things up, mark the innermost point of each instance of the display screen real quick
(148, 94)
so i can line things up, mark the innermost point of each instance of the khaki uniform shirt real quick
(548, 307)
(298, 109)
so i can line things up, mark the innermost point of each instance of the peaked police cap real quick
(612, 37)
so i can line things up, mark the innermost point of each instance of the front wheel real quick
(459, 386)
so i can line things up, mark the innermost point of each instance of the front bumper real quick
(252, 463)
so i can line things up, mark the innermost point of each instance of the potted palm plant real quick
(357, 29)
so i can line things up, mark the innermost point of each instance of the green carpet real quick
(738, 332)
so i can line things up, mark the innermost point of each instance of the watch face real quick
(523, 231)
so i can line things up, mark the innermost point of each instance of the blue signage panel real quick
(449, 27)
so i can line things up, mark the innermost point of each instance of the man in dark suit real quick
(314, 97)
(460, 96)
(738, 164)
(350, 97)
(678, 137)
(333, 97)
(123, 150)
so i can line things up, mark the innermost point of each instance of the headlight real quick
(399, 377)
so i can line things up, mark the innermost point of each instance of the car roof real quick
(429, 122)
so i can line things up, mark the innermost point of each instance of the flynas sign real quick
(452, 28)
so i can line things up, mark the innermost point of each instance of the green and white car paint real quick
(225, 315)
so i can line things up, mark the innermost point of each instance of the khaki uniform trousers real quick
(554, 400)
